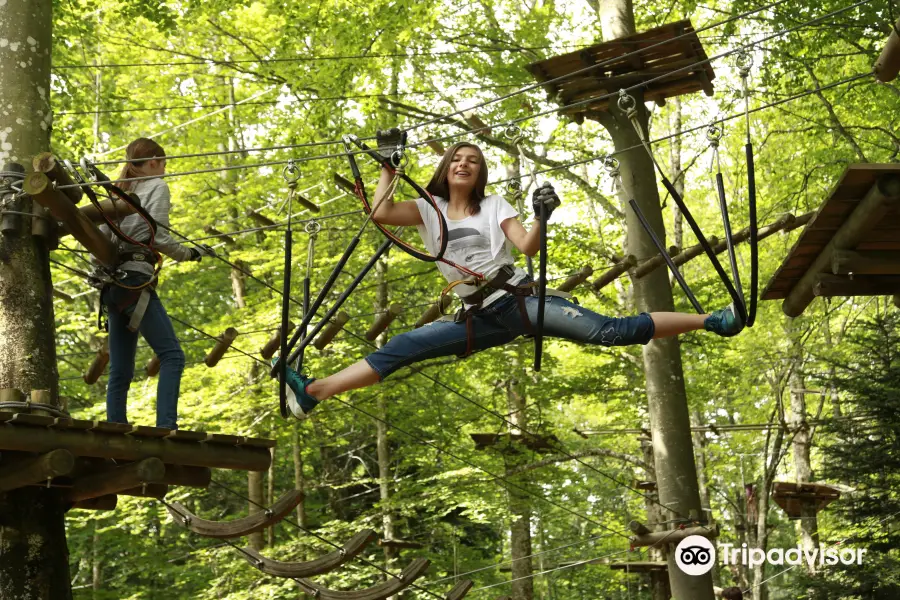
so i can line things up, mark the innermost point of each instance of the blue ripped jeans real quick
(157, 329)
(502, 322)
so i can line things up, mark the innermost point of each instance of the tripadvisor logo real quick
(696, 555)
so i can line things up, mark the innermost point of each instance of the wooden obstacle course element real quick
(472, 118)
(101, 503)
(796, 498)
(63, 296)
(274, 343)
(239, 527)
(223, 343)
(260, 219)
(38, 186)
(833, 286)
(654, 538)
(434, 312)
(460, 590)
(613, 273)
(400, 544)
(383, 321)
(888, 64)
(153, 365)
(344, 183)
(324, 564)
(306, 203)
(656, 53)
(187, 476)
(98, 365)
(331, 331)
(230, 241)
(640, 566)
(115, 210)
(869, 262)
(100, 439)
(573, 281)
(157, 491)
(34, 469)
(437, 147)
(381, 591)
(647, 486)
(47, 164)
(117, 480)
(861, 214)
(508, 442)
(44, 226)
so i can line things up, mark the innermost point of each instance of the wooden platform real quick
(505, 442)
(794, 497)
(663, 54)
(851, 247)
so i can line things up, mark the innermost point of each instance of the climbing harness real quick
(628, 105)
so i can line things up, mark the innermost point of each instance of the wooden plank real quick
(110, 427)
(123, 447)
(324, 564)
(378, 592)
(18, 473)
(844, 262)
(258, 442)
(101, 503)
(182, 435)
(33, 420)
(223, 438)
(142, 431)
(832, 286)
(460, 590)
(118, 479)
(239, 527)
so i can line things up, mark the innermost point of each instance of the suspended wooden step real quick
(506, 442)
(39, 434)
(239, 527)
(640, 566)
(381, 591)
(797, 498)
(400, 544)
(851, 247)
(460, 590)
(626, 62)
(325, 564)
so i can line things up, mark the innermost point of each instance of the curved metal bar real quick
(460, 590)
(353, 548)
(378, 592)
(238, 527)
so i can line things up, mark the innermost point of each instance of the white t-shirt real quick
(476, 242)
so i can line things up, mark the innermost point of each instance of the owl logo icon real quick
(695, 555)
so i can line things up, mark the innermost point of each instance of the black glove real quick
(546, 195)
(389, 141)
(201, 251)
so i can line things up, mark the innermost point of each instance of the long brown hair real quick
(438, 184)
(139, 152)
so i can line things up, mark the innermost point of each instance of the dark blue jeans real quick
(502, 322)
(157, 330)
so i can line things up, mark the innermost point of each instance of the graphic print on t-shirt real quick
(465, 244)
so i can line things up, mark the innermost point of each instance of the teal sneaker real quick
(299, 401)
(725, 322)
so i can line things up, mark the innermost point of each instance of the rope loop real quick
(291, 173)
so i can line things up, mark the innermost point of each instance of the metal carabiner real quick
(512, 131)
(313, 227)
(744, 61)
(626, 102)
(291, 173)
(87, 166)
(714, 134)
(399, 159)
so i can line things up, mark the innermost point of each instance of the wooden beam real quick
(118, 479)
(332, 330)
(434, 311)
(101, 503)
(38, 186)
(101, 444)
(638, 528)
(888, 64)
(47, 164)
(880, 199)
(153, 366)
(187, 476)
(223, 343)
(460, 590)
(239, 527)
(577, 279)
(35, 469)
(344, 183)
(147, 490)
(400, 544)
(113, 209)
(263, 220)
(897, 300)
(353, 548)
(833, 286)
(865, 262)
(378, 592)
(271, 347)
(384, 319)
(673, 537)
(98, 365)
(230, 241)
(612, 274)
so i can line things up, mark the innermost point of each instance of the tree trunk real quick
(678, 174)
(666, 394)
(659, 582)
(255, 481)
(519, 503)
(238, 283)
(33, 552)
(270, 495)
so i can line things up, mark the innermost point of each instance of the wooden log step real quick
(239, 527)
(35, 469)
(101, 503)
(381, 591)
(460, 590)
(117, 480)
(353, 548)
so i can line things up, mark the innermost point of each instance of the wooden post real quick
(35, 470)
(332, 330)
(384, 319)
(268, 351)
(98, 365)
(46, 163)
(883, 196)
(153, 366)
(62, 209)
(577, 279)
(223, 343)
(888, 64)
(434, 311)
